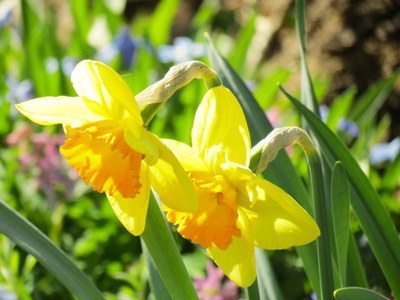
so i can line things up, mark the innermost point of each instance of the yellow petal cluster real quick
(108, 145)
(237, 210)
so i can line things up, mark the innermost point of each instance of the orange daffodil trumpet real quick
(109, 147)
(237, 210)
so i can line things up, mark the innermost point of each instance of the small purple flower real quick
(348, 126)
(384, 152)
(182, 50)
(212, 287)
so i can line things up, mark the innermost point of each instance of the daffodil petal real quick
(238, 261)
(71, 111)
(243, 179)
(171, 182)
(220, 120)
(141, 140)
(132, 211)
(189, 159)
(98, 82)
(278, 221)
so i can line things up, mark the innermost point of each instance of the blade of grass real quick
(307, 89)
(79, 9)
(372, 99)
(391, 177)
(357, 293)
(265, 93)
(161, 21)
(242, 42)
(340, 107)
(259, 127)
(32, 43)
(341, 217)
(34, 242)
(165, 254)
(355, 270)
(367, 205)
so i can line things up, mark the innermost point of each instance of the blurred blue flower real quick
(251, 85)
(52, 65)
(348, 126)
(6, 295)
(5, 17)
(324, 112)
(8, 11)
(19, 91)
(182, 50)
(68, 64)
(123, 44)
(313, 296)
(384, 152)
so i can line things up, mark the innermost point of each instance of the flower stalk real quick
(265, 152)
(164, 252)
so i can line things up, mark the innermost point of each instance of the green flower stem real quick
(321, 210)
(252, 291)
(149, 112)
(212, 80)
(165, 254)
(255, 159)
(29, 238)
(264, 153)
(157, 285)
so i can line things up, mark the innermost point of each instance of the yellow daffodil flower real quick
(237, 210)
(109, 147)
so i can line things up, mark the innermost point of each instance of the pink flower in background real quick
(53, 176)
(213, 287)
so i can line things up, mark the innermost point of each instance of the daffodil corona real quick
(237, 210)
(109, 147)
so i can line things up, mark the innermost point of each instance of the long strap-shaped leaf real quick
(357, 293)
(366, 203)
(281, 171)
(165, 254)
(29, 238)
(340, 196)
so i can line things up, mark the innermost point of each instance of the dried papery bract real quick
(267, 149)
